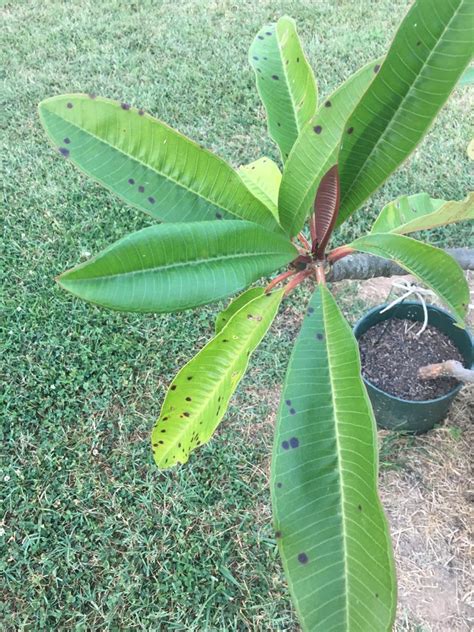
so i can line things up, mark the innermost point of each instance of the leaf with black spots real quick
(285, 81)
(329, 523)
(147, 163)
(199, 395)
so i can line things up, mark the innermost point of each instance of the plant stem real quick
(304, 241)
(320, 274)
(296, 280)
(278, 279)
(339, 253)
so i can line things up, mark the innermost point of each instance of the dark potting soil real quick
(391, 354)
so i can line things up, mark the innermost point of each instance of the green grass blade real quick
(434, 267)
(410, 213)
(172, 267)
(262, 177)
(147, 163)
(430, 50)
(234, 306)
(316, 150)
(285, 81)
(330, 526)
(199, 395)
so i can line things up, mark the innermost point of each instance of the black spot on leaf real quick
(131, 181)
(350, 130)
(275, 77)
(67, 141)
(285, 445)
(292, 411)
(377, 68)
(319, 336)
(151, 200)
(64, 151)
(302, 558)
(141, 188)
(69, 106)
(173, 387)
(318, 129)
(125, 106)
(294, 443)
(327, 104)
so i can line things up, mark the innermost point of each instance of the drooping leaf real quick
(316, 150)
(234, 306)
(467, 78)
(434, 267)
(285, 81)
(430, 50)
(329, 523)
(410, 213)
(199, 395)
(263, 178)
(147, 163)
(172, 267)
(326, 207)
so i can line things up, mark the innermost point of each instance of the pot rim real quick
(418, 402)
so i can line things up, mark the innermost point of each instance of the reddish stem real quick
(304, 241)
(320, 274)
(278, 279)
(296, 280)
(339, 253)
(312, 230)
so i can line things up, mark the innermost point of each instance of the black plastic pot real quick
(408, 415)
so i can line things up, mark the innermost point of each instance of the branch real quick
(451, 368)
(363, 266)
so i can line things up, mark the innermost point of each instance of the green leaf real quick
(316, 150)
(431, 48)
(199, 395)
(432, 266)
(234, 306)
(263, 178)
(172, 267)
(147, 163)
(285, 81)
(410, 213)
(329, 524)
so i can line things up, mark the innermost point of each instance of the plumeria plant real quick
(225, 229)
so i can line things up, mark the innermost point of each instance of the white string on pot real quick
(419, 292)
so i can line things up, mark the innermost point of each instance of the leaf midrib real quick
(388, 128)
(196, 262)
(339, 460)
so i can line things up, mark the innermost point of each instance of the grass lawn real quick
(93, 535)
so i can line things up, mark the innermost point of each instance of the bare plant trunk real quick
(363, 266)
(451, 368)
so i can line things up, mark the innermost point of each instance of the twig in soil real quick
(450, 368)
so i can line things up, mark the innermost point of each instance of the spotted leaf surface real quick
(410, 213)
(263, 178)
(234, 306)
(316, 150)
(285, 81)
(434, 267)
(172, 267)
(329, 524)
(199, 395)
(147, 163)
(430, 50)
